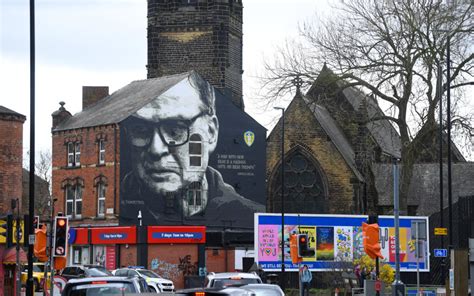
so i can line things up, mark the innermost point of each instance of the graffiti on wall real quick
(165, 269)
(187, 267)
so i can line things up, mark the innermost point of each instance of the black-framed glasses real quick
(172, 132)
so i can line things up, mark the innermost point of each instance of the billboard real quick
(338, 238)
(190, 157)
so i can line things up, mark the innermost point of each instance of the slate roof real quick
(120, 104)
(335, 134)
(382, 131)
(424, 187)
(6, 111)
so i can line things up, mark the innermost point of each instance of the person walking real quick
(306, 277)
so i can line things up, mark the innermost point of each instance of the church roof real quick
(335, 134)
(424, 186)
(382, 131)
(122, 103)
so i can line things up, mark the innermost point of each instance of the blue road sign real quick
(440, 252)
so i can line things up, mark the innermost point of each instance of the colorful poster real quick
(325, 243)
(311, 232)
(344, 246)
(269, 243)
(336, 239)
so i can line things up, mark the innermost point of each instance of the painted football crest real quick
(249, 137)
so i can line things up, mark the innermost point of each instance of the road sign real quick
(440, 252)
(441, 231)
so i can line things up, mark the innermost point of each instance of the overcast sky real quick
(103, 42)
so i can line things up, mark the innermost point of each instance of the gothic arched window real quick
(304, 187)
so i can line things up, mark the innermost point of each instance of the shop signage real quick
(176, 234)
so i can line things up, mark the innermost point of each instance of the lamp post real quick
(282, 196)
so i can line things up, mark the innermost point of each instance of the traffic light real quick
(6, 227)
(303, 246)
(60, 236)
(370, 233)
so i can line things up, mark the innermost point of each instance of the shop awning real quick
(9, 256)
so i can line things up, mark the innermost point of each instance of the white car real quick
(227, 279)
(154, 281)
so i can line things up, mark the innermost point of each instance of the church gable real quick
(308, 144)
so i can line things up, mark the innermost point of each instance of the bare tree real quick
(391, 50)
(42, 183)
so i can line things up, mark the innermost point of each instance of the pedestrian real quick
(306, 277)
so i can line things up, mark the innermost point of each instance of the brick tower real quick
(200, 35)
(11, 157)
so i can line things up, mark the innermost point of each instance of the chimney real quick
(93, 94)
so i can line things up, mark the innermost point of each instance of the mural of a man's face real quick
(172, 138)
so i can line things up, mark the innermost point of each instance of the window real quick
(101, 145)
(305, 191)
(195, 150)
(74, 201)
(195, 195)
(73, 154)
(100, 200)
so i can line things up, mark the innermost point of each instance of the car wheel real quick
(153, 289)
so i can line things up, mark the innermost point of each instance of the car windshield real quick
(148, 273)
(96, 289)
(222, 283)
(98, 271)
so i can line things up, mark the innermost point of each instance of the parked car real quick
(38, 275)
(238, 290)
(110, 285)
(226, 279)
(81, 271)
(156, 282)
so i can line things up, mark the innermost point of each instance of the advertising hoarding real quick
(337, 238)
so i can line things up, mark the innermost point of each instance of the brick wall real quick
(174, 261)
(89, 171)
(205, 37)
(220, 260)
(302, 131)
(11, 158)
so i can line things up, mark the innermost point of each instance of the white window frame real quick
(76, 198)
(77, 156)
(100, 198)
(101, 151)
(195, 189)
(73, 154)
(190, 142)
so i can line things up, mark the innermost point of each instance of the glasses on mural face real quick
(172, 132)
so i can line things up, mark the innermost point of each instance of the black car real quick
(112, 285)
(82, 271)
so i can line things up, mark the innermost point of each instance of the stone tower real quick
(200, 35)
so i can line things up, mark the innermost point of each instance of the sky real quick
(103, 43)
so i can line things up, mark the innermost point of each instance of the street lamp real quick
(282, 196)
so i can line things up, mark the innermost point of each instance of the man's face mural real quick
(172, 138)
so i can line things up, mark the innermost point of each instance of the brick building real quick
(93, 159)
